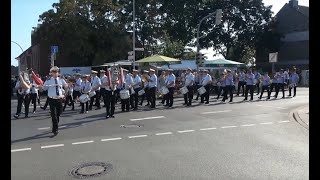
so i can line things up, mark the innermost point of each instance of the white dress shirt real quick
(77, 86)
(242, 77)
(136, 82)
(96, 83)
(206, 79)
(250, 78)
(266, 81)
(85, 86)
(171, 79)
(51, 85)
(128, 81)
(104, 81)
(229, 80)
(189, 79)
(154, 80)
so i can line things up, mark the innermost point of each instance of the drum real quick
(164, 90)
(202, 90)
(184, 90)
(124, 94)
(84, 98)
(141, 92)
(292, 85)
(92, 93)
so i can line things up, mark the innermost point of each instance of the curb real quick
(297, 118)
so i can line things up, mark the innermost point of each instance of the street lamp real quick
(218, 14)
(16, 57)
(134, 36)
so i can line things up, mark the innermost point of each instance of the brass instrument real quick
(24, 80)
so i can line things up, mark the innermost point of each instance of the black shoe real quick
(104, 106)
(98, 108)
(81, 112)
(112, 116)
(33, 112)
(56, 133)
(207, 103)
(16, 116)
(245, 99)
(283, 97)
(230, 101)
(123, 110)
(107, 117)
(259, 98)
(147, 105)
(72, 109)
(251, 99)
(166, 105)
(202, 102)
(294, 95)
(127, 110)
(26, 116)
(42, 108)
(135, 109)
(289, 95)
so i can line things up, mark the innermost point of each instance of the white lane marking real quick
(185, 131)
(271, 106)
(228, 127)
(206, 129)
(44, 128)
(213, 112)
(83, 142)
(83, 124)
(140, 119)
(62, 126)
(266, 123)
(24, 149)
(248, 125)
(283, 121)
(137, 136)
(51, 146)
(111, 139)
(159, 134)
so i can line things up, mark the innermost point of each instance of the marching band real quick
(118, 81)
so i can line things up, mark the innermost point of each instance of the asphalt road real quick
(242, 140)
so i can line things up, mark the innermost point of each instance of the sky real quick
(25, 15)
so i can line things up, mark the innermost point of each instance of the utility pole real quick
(134, 35)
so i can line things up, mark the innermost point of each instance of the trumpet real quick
(24, 79)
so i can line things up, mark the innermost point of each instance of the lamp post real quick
(16, 57)
(134, 36)
(216, 13)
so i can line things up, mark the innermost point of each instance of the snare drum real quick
(164, 90)
(292, 85)
(202, 90)
(92, 93)
(124, 94)
(184, 90)
(141, 92)
(84, 98)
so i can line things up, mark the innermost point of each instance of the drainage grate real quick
(131, 125)
(90, 170)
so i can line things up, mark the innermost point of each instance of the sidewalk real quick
(302, 116)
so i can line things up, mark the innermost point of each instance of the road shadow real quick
(38, 136)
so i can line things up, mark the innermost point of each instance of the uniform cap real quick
(152, 70)
(94, 72)
(102, 71)
(54, 69)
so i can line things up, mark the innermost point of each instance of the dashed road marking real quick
(266, 123)
(271, 106)
(166, 133)
(51, 146)
(245, 125)
(138, 136)
(23, 149)
(44, 128)
(185, 131)
(207, 129)
(140, 119)
(83, 142)
(62, 126)
(111, 139)
(224, 127)
(213, 112)
(283, 121)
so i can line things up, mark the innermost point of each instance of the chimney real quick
(294, 4)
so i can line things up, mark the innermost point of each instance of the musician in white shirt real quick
(189, 80)
(103, 79)
(55, 93)
(110, 88)
(242, 82)
(171, 83)
(23, 97)
(96, 83)
(125, 103)
(153, 83)
(77, 89)
(85, 89)
(206, 81)
(229, 86)
(136, 87)
(34, 95)
(145, 80)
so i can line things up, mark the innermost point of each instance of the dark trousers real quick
(206, 94)
(251, 88)
(82, 106)
(230, 90)
(152, 96)
(97, 98)
(46, 104)
(132, 96)
(125, 104)
(103, 94)
(164, 98)
(76, 94)
(273, 85)
(258, 88)
(56, 110)
(294, 90)
(26, 100)
(110, 102)
(197, 87)
(69, 99)
(263, 89)
(116, 95)
(188, 96)
(280, 86)
(169, 100)
(136, 98)
(241, 84)
(220, 91)
(146, 95)
(33, 98)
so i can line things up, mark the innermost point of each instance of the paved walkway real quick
(302, 115)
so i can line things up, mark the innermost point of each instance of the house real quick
(293, 23)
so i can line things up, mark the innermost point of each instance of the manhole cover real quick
(131, 125)
(90, 170)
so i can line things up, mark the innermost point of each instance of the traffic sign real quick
(273, 57)
(139, 49)
(54, 49)
(130, 58)
(130, 53)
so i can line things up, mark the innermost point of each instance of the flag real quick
(36, 79)
(121, 77)
(108, 77)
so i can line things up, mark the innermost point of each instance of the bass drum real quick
(184, 90)
(141, 92)
(164, 90)
(202, 90)
(92, 93)
(84, 98)
(124, 94)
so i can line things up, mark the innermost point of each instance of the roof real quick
(158, 59)
(222, 61)
(185, 64)
(304, 10)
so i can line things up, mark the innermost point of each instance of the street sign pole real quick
(134, 35)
